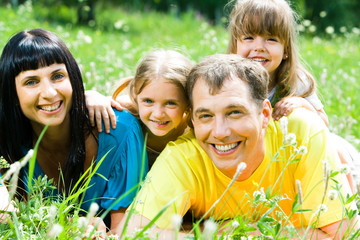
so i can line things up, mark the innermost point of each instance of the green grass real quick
(111, 49)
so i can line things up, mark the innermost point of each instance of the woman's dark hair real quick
(30, 50)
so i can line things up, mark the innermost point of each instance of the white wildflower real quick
(330, 30)
(241, 166)
(332, 194)
(290, 139)
(82, 222)
(323, 14)
(55, 231)
(176, 220)
(94, 207)
(209, 229)
(302, 150)
(344, 169)
(322, 208)
(260, 195)
(312, 28)
(235, 224)
(306, 22)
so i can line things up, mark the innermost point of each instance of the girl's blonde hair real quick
(272, 18)
(167, 65)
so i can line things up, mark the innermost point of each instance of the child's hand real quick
(100, 107)
(286, 105)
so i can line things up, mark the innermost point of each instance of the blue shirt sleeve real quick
(124, 165)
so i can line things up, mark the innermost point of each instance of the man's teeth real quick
(50, 108)
(225, 148)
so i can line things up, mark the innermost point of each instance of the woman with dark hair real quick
(40, 84)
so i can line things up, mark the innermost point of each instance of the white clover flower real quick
(344, 169)
(235, 224)
(284, 125)
(176, 220)
(302, 150)
(209, 229)
(332, 194)
(290, 139)
(55, 231)
(322, 208)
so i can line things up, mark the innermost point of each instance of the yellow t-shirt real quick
(185, 178)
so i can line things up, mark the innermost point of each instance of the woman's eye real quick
(58, 76)
(30, 82)
(170, 103)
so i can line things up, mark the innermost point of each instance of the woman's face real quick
(45, 94)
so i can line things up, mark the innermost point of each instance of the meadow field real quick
(109, 50)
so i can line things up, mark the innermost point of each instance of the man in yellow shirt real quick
(234, 158)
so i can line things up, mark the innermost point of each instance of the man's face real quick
(229, 126)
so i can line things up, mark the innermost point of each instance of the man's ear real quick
(266, 112)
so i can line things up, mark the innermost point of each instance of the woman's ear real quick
(266, 112)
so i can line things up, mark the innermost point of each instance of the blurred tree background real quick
(320, 14)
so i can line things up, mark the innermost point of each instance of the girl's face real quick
(162, 107)
(45, 94)
(267, 50)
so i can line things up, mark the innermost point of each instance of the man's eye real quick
(204, 116)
